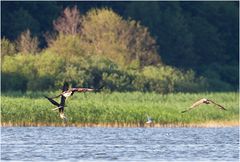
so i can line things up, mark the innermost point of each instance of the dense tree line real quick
(202, 36)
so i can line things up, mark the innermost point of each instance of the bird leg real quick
(59, 107)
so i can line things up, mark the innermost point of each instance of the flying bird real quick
(61, 105)
(204, 101)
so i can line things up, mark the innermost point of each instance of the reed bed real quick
(129, 109)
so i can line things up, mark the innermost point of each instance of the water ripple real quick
(119, 144)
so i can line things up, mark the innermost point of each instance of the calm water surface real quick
(119, 144)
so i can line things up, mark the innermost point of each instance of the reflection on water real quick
(119, 144)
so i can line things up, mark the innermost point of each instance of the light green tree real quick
(125, 42)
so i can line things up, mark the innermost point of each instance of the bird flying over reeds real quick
(204, 101)
(61, 105)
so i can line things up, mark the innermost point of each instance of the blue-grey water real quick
(119, 144)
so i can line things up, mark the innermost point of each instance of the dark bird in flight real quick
(204, 101)
(69, 92)
(60, 106)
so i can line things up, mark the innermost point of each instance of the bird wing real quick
(194, 105)
(220, 106)
(84, 89)
(197, 103)
(52, 101)
(187, 110)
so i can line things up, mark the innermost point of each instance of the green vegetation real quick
(155, 46)
(202, 36)
(117, 108)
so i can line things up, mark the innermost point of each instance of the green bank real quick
(118, 109)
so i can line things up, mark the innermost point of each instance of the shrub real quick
(27, 44)
(68, 46)
(69, 22)
(7, 48)
(13, 82)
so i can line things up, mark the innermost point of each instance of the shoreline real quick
(209, 124)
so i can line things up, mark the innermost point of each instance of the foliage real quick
(122, 41)
(125, 45)
(166, 21)
(13, 82)
(49, 70)
(7, 48)
(20, 20)
(27, 44)
(67, 46)
(22, 68)
(69, 22)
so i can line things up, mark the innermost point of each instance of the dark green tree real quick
(166, 21)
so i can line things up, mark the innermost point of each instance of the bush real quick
(27, 44)
(68, 46)
(48, 70)
(222, 77)
(117, 80)
(7, 48)
(13, 82)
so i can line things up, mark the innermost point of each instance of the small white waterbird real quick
(149, 120)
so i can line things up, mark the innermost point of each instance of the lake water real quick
(119, 144)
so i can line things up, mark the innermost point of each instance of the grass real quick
(117, 109)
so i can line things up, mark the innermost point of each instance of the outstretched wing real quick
(220, 106)
(83, 89)
(194, 105)
(52, 101)
(197, 103)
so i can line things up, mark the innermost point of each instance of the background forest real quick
(126, 46)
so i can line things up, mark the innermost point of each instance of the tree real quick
(125, 42)
(27, 44)
(19, 21)
(7, 48)
(69, 22)
(166, 21)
